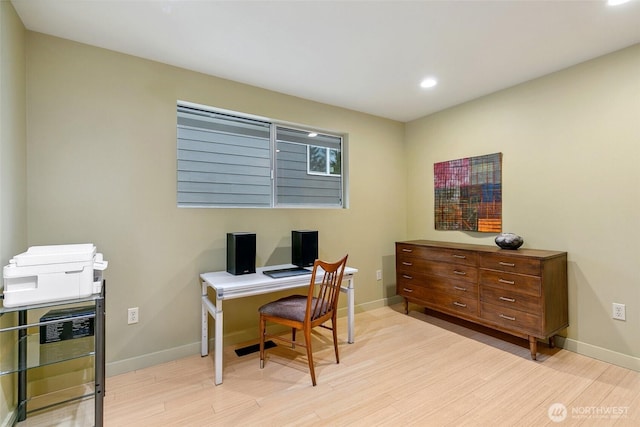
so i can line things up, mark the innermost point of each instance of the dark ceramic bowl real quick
(509, 241)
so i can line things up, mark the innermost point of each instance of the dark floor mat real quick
(243, 351)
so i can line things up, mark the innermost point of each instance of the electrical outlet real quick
(619, 311)
(379, 275)
(132, 315)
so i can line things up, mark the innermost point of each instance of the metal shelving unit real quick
(30, 354)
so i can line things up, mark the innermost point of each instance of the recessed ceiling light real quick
(428, 82)
(616, 2)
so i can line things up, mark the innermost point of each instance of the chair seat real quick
(292, 307)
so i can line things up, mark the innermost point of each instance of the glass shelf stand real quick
(31, 354)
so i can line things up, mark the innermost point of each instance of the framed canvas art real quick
(468, 194)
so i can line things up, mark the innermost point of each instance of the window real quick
(323, 161)
(231, 160)
(297, 183)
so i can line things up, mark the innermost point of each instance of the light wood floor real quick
(402, 370)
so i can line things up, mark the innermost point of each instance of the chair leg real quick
(307, 338)
(335, 338)
(262, 331)
(293, 337)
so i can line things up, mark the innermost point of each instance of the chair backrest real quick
(323, 296)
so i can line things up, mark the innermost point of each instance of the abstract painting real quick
(468, 194)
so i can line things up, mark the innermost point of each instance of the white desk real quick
(228, 286)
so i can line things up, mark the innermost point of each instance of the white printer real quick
(53, 273)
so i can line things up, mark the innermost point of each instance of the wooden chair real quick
(306, 312)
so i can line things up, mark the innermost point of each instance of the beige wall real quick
(13, 143)
(102, 169)
(571, 182)
(13, 222)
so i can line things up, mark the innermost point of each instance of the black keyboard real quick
(286, 272)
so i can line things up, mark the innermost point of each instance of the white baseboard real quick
(600, 353)
(374, 304)
(151, 359)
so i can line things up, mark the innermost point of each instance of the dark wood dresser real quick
(521, 292)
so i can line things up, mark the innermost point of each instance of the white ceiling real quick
(368, 56)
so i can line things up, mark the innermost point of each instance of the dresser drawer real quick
(512, 264)
(413, 278)
(455, 303)
(457, 256)
(413, 291)
(453, 287)
(509, 299)
(459, 301)
(452, 271)
(511, 319)
(513, 282)
(438, 284)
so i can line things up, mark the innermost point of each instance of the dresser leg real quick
(552, 341)
(533, 346)
(406, 306)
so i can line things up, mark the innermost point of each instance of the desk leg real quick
(218, 350)
(350, 311)
(204, 340)
(216, 312)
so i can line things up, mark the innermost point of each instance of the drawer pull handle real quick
(407, 263)
(507, 317)
(458, 288)
(407, 290)
(407, 276)
(461, 273)
(459, 304)
(507, 299)
(407, 250)
(459, 256)
(508, 282)
(507, 264)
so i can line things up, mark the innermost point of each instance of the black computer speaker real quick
(241, 253)
(304, 247)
